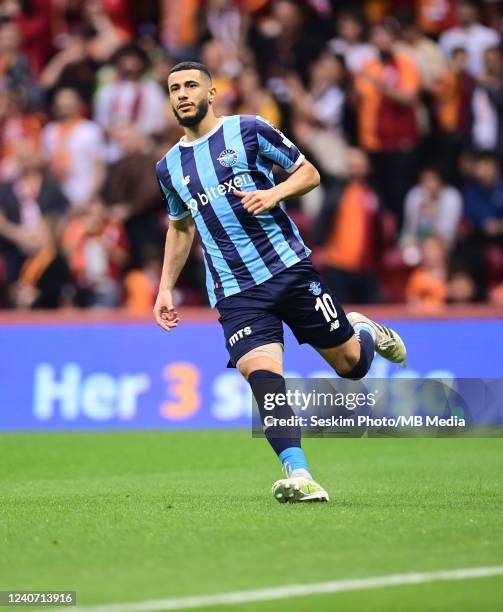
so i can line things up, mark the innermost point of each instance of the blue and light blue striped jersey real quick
(198, 178)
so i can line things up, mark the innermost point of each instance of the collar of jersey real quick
(184, 143)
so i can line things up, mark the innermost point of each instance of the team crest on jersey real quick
(228, 158)
(315, 288)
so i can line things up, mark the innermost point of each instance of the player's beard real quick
(201, 111)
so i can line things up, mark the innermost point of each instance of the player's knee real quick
(259, 363)
(268, 357)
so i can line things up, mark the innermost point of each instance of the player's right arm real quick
(179, 240)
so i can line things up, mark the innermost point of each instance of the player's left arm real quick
(275, 147)
(301, 181)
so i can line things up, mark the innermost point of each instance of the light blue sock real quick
(365, 327)
(293, 458)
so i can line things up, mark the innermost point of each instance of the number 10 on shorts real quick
(327, 307)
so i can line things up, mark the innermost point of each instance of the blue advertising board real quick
(134, 375)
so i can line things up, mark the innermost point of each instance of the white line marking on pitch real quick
(293, 590)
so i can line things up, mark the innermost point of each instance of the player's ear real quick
(212, 92)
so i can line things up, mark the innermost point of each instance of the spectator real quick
(453, 96)
(388, 90)
(434, 16)
(496, 295)
(15, 69)
(142, 284)
(97, 250)
(224, 22)
(426, 53)
(493, 15)
(348, 228)
(179, 31)
(132, 193)
(350, 43)
(283, 42)
(45, 280)
(19, 127)
(471, 35)
(32, 19)
(130, 99)
(223, 74)
(71, 68)
(23, 203)
(462, 288)
(322, 105)
(319, 113)
(75, 149)
(161, 68)
(254, 99)
(488, 104)
(432, 208)
(105, 36)
(484, 199)
(427, 286)
(268, 57)
(120, 13)
(437, 282)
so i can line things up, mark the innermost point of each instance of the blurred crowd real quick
(399, 104)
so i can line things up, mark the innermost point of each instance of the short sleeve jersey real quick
(199, 177)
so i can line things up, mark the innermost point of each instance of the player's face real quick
(190, 94)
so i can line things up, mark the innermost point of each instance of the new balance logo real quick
(246, 331)
(186, 179)
(334, 325)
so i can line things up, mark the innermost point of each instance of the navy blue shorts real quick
(298, 297)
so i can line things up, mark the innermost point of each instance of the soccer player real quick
(218, 179)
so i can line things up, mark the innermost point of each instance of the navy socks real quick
(286, 445)
(367, 351)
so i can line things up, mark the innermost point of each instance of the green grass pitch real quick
(125, 517)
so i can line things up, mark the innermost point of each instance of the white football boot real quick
(298, 488)
(388, 343)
